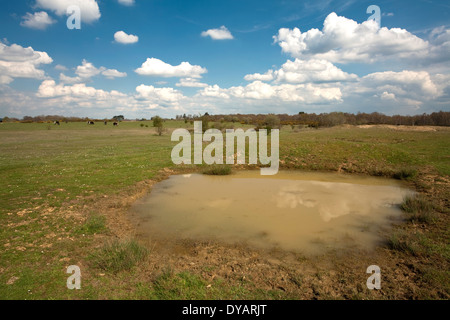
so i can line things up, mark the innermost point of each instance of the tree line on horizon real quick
(331, 119)
(441, 118)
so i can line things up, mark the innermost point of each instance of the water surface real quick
(307, 212)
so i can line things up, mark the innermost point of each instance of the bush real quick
(158, 124)
(119, 255)
(272, 122)
(205, 122)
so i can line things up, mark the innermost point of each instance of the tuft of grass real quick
(405, 174)
(400, 241)
(217, 170)
(95, 223)
(119, 256)
(419, 209)
(184, 285)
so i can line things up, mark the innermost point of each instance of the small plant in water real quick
(217, 170)
(405, 174)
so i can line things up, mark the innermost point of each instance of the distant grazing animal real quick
(56, 122)
(90, 122)
(106, 122)
(115, 123)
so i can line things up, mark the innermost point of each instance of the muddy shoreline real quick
(338, 274)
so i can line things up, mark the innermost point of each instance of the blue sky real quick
(192, 57)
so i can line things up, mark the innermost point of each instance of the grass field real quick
(65, 191)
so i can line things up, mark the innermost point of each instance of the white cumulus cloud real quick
(87, 70)
(258, 90)
(49, 89)
(122, 37)
(221, 33)
(60, 67)
(406, 83)
(19, 62)
(156, 67)
(113, 73)
(191, 83)
(344, 40)
(268, 76)
(164, 94)
(304, 71)
(127, 2)
(90, 11)
(38, 20)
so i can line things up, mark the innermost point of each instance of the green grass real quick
(118, 256)
(44, 169)
(94, 224)
(401, 241)
(418, 209)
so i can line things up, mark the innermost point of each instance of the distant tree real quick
(272, 122)
(205, 122)
(158, 124)
(119, 118)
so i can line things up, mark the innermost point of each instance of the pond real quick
(296, 211)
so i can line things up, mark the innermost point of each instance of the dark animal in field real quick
(90, 122)
(56, 122)
(115, 123)
(106, 122)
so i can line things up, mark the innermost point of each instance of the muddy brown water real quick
(296, 211)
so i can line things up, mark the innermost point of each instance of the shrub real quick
(205, 122)
(272, 122)
(158, 124)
